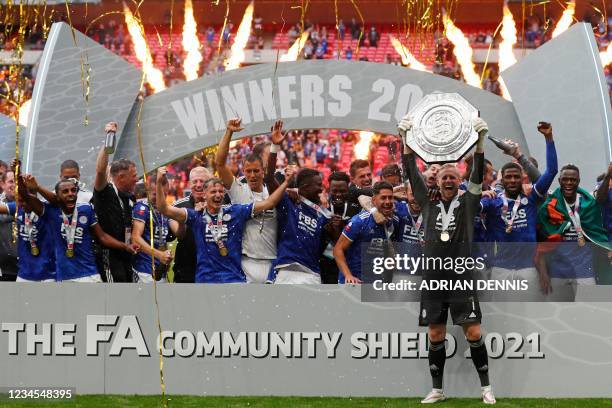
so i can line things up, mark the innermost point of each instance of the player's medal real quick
(575, 218)
(70, 231)
(515, 207)
(29, 230)
(446, 217)
(218, 231)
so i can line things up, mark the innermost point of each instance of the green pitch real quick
(106, 401)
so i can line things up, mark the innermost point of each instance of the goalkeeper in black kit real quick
(449, 228)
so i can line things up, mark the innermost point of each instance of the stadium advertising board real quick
(248, 340)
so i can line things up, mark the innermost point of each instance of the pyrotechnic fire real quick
(606, 56)
(294, 51)
(362, 148)
(407, 57)
(506, 54)
(241, 40)
(191, 44)
(24, 112)
(463, 51)
(154, 76)
(566, 19)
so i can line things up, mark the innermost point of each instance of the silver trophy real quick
(442, 128)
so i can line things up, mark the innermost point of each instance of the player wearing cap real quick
(568, 220)
(449, 229)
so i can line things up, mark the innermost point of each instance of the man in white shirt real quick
(259, 241)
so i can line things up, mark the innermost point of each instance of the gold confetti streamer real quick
(339, 51)
(162, 383)
(85, 70)
(486, 61)
(362, 28)
(169, 52)
(225, 19)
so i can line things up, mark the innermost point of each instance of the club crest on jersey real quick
(524, 201)
(83, 219)
(227, 217)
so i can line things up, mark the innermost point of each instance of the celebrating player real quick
(259, 241)
(185, 257)
(569, 218)
(300, 227)
(35, 246)
(448, 233)
(218, 230)
(342, 211)
(73, 225)
(512, 217)
(113, 204)
(363, 228)
(141, 235)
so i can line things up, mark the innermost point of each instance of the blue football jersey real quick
(211, 266)
(516, 249)
(569, 260)
(83, 263)
(34, 267)
(365, 234)
(142, 261)
(300, 228)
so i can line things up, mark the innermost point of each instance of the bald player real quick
(449, 231)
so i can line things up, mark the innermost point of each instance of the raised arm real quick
(602, 192)
(102, 161)
(512, 148)
(225, 174)
(542, 185)
(275, 197)
(277, 138)
(177, 214)
(33, 203)
(477, 175)
(35, 188)
(419, 188)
